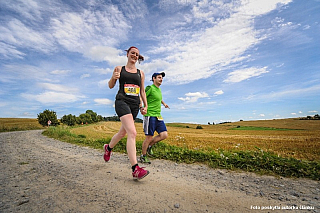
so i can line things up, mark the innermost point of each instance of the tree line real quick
(315, 117)
(49, 118)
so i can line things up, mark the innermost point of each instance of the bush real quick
(199, 127)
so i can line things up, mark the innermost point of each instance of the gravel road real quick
(39, 174)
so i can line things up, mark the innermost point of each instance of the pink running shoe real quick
(107, 154)
(139, 173)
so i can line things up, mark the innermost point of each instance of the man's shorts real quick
(123, 108)
(151, 124)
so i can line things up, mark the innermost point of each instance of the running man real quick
(153, 120)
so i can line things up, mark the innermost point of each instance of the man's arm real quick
(165, 105)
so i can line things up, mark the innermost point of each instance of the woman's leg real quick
(128, 125)
(117, 137)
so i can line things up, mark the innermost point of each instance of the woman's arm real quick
(115, 76)
(143, 94)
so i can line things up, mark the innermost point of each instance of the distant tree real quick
(208, 123)
(317, 117)
(84, 118)
(212, 123)
(93, 115)
(112, 118)
(100, 118)
(48, 115)
(70, 120)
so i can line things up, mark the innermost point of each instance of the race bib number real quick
(160, 118)
(131, 89)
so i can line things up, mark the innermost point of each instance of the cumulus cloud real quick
(193, 96)
(219, 92)
(103, 101)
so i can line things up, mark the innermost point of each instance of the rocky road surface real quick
(39, 174)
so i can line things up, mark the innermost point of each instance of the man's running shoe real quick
(149, 151)
(107, 153)
(144, 159)
(139, 173)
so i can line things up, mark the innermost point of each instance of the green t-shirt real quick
(154, 98)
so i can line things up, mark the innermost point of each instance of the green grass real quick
(257, 161)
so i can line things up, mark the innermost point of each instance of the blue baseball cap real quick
(156, 74)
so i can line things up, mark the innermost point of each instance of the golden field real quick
(295, 138)
(14, 124)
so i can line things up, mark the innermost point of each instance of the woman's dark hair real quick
(140, 58)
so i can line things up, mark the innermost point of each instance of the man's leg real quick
(146, 143)
(160, 137)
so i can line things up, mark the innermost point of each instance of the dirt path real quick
(39, 174)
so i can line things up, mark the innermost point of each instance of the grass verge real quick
(257, 161)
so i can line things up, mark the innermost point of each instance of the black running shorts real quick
(123, 108)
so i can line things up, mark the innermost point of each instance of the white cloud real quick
(103, 83)
(219, 92)
(103, 71)
(8, 51)
(103, 101)
(52, 97)
(57, 87)
(315, 89)
(18, 35)
(194, 96)
(198, 54)
(87, 75)
(78, 32)
(243, 74)
(60, 72)
(256, 8)
(103, 53)
(25, 71)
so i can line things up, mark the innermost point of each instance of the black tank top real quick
(129, 86)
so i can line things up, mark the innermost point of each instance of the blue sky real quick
(224, 60)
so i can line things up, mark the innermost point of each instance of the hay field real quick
(17, 124)
(295, 138)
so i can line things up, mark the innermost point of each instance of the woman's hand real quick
(116, 74)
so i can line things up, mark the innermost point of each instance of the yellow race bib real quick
(131, 89)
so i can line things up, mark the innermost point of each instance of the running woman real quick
(153, 120)
(131, 85)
